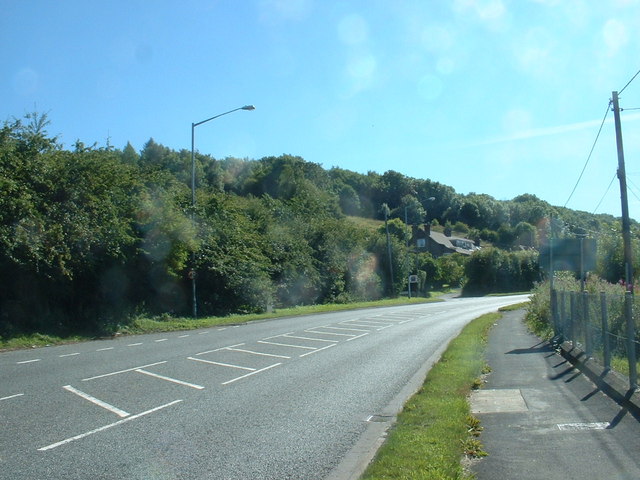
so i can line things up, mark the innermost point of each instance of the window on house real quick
(421, 243)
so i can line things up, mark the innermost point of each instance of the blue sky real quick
(501, 97)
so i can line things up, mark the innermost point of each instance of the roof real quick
(457, 244)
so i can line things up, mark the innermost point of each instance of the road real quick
(292, 398)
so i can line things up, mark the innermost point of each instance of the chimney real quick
(427, 230)
(447, 231)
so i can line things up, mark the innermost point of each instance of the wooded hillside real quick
(93, 235)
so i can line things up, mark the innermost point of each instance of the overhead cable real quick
(590, 153)
(632, 79)
(605, 193)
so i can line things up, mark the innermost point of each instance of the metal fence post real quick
(631, 335)
(604, 314)
(563, 317)
(572, 318)
(588, 343)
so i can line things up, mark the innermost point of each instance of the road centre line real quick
(134, 344)
(376, 327)
(241, 350)
(279, 335)
(104, 349)
(183, 336)
(318, 350)
(29, 361)
(69, 355)
(287, 345)
(161, 340)
(252, 373)
(169, 379)
(106, 427)
(375, 322)
(218, 349)
(96, 401)
(309, 338)
(123, 371)
(12, 396)
(210, 362)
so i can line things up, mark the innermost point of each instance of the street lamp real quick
(192, 273)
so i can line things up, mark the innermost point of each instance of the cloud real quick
(531, 133)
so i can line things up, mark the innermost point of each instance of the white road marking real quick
(69, 355)
(161, 340)
(350, 329)
(134, 344)
(11, 396)
(330, 333)
(96, 401)
(242, 350)
(210, 362)
(106, 427)
(104, 349)
(318, 350)
(309, 338)
(252, 373)
(363, 335)
(183, 336)
(203, 333)
(28, 361)
(583, 426)
(123, 371)
(218, 349)
(169, 379)
(287, 345)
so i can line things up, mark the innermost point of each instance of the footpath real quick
(544, 418)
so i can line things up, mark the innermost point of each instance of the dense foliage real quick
(92, 235)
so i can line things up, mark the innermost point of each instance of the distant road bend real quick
(292, 398)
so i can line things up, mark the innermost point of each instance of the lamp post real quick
(192, 273)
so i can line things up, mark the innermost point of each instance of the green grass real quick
(166, 323)
(435, 429)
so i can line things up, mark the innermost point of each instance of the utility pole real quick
(385, 209)
(628, 258)
(626, 224)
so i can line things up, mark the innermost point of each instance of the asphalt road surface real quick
(293, 398)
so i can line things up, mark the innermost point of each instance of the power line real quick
(632, 79)
(590, 153)
(605, 193)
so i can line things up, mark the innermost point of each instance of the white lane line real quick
(318, 350)
(287, 345)
(203, 333)
(210, 362)
(161, 340)
(375, 327)
(69, 355)
(183, 336)
(218, 349)
(309, 338)
(331, 333)
(11, 396)
(584, 426)
(279, 335)
(123, 371)
(242, 350)
(134, 344)
(350, 329)
(252, 373)
(106, 427)
(29, 361)
(372, 323)
(104, 349)
(169, 379)
(353, 338)
(96, 401)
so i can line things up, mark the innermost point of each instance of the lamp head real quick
(248, 107)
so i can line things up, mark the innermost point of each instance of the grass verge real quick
(141, 324)
(435, 429)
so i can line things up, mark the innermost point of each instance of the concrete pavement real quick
(544, 418)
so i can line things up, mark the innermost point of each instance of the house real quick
(439, 244)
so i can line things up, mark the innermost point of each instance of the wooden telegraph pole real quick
(626, 238)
